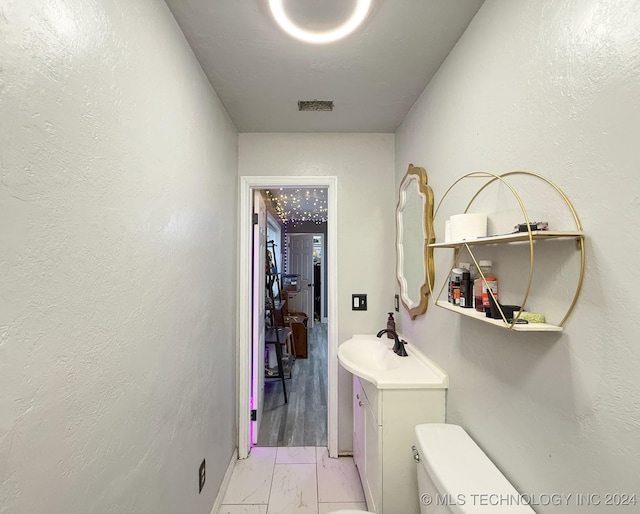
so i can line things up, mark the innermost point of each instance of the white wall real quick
(118, 198)
(363, 164)
(551, 87)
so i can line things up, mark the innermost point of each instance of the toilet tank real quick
(456, 477)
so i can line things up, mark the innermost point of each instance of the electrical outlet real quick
(358, 302)
(396, 304)
(202, 475)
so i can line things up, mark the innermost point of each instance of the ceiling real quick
(373, 76)
(299, 204)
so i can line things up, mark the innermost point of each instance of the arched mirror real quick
(414, 259)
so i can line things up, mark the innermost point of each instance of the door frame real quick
(258, 310)
(323, 316)
(244, 304)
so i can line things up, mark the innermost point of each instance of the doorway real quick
(299, 417)
(247, 187)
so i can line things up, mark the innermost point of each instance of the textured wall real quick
(363, 164)
(118, 186)
(553, 87)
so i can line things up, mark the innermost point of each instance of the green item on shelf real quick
(532, 317)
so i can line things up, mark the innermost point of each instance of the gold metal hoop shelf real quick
(480, 316)
(513, 238)
(528, 237)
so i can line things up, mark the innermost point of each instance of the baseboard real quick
(225, 482)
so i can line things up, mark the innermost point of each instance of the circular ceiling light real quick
(329, 36)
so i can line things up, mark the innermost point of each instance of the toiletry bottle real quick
(450, 288)
(455, 291)
(485, 267)
(391, 325)
(466, 298)
(454, 286)
(490, 282)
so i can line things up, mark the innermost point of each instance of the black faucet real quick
(398, 345)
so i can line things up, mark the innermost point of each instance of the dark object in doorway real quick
(299, 326)
(317, 291)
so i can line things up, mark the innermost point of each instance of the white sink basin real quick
(372, 358)
(374, 354)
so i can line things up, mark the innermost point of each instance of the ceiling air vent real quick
(315, 105)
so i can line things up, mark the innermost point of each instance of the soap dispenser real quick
(391, 325)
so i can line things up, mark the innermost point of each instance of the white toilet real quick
(456, 477)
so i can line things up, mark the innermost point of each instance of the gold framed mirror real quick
(414, 257)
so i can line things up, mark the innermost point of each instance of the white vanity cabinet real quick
(391, 395)
(383, 433)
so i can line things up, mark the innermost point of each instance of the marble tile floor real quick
(293, 480)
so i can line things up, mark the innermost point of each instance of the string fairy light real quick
(297, 206)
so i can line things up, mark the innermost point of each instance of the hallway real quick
(303, 421)
(293, 480)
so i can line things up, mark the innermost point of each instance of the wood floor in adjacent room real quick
(303, 421)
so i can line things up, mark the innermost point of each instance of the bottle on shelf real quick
(466, 297)
(455, 291)
(477, 285)
(454, 285)
(481, 287)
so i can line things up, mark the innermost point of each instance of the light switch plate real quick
(358, 302)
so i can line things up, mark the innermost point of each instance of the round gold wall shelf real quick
(529, 236)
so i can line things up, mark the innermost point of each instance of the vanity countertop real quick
(372, 359)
